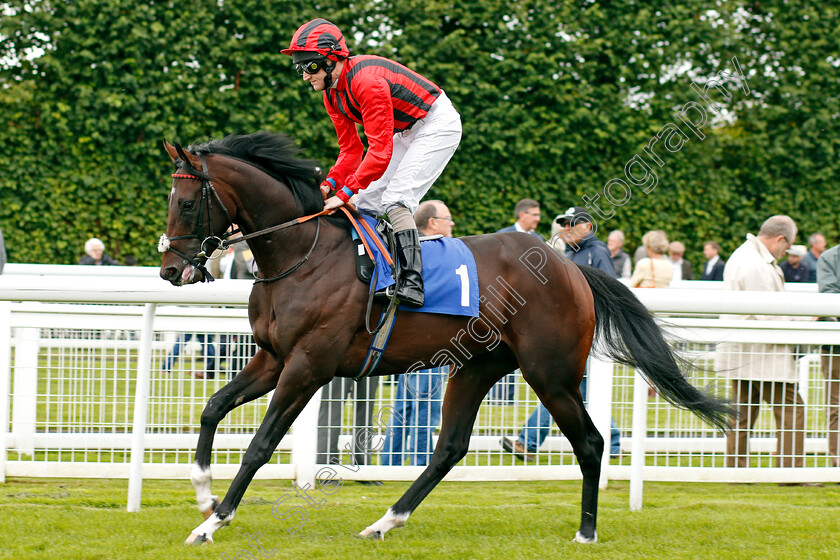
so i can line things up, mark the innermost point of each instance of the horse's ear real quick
(170, 149)
(191, 160)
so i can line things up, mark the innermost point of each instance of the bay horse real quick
(308, 319)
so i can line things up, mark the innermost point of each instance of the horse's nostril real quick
(169, 273)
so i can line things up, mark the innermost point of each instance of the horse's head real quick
(197, 220)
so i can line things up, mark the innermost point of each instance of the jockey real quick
(412, 130)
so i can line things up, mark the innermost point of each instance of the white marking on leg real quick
(204, 532)
(388, 521)
(581, 539)
(200, 479)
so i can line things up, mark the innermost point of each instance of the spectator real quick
(793, 268)
(639, 254)
(2, 252)
(816, 244)
(762, 371)
(828, 280)
(208, 350)
(527, 216)
(333, 396)
(419, 394)
(682, 268)
(556, 242)
(577, 232)
(238, 262)
(641, 250)
(713, 270)
(620, 259)
(95, 250)
(654, 271)
(235, 350)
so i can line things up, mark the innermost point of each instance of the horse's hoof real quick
(208, 512)
(198, 539)
(586, 540)
(371, 534)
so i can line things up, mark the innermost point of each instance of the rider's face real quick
(316, 80)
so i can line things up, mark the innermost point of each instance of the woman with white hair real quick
(95, 250)
(655, 271)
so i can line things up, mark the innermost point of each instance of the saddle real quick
(364, 261)
(365, 266)
(451, 279)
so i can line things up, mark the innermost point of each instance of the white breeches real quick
(419, 157)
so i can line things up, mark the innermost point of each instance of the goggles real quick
(311, 66)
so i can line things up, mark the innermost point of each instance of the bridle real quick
(209, 241)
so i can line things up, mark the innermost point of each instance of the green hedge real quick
(544, 90)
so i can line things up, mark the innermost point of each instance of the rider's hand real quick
(326, 188)
(333, 203)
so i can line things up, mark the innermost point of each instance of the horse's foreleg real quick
(464, 393)
(287, 402)
(254, 381)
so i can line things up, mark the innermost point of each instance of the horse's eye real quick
(188, 205)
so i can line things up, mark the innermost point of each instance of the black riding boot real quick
(410, 290)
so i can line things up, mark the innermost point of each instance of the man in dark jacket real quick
(713, 269)
(794, 268)
(527, 216)
(583, 248)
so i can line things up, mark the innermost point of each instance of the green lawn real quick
(70, 519)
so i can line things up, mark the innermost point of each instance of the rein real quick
(301, 261)
(225, 242)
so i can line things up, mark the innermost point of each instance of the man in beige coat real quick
(762, 371)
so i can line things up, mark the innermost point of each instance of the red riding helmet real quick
(318, 36)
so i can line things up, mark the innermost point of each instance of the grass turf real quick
(86, 519)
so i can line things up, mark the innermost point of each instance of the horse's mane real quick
(277, 155)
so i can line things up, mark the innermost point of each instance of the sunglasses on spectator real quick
(311, 66)
(564, 223)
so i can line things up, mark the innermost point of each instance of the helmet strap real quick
(329, 66)
(328, 79)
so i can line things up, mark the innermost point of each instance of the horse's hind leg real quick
(464, 393)
(257, 378)
(563, 400)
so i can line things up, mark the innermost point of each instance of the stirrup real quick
(387, 294)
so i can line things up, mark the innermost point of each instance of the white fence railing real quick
(83, 391)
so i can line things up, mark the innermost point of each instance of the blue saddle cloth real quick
(450, 278)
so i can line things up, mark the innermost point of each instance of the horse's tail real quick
(629, 334)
